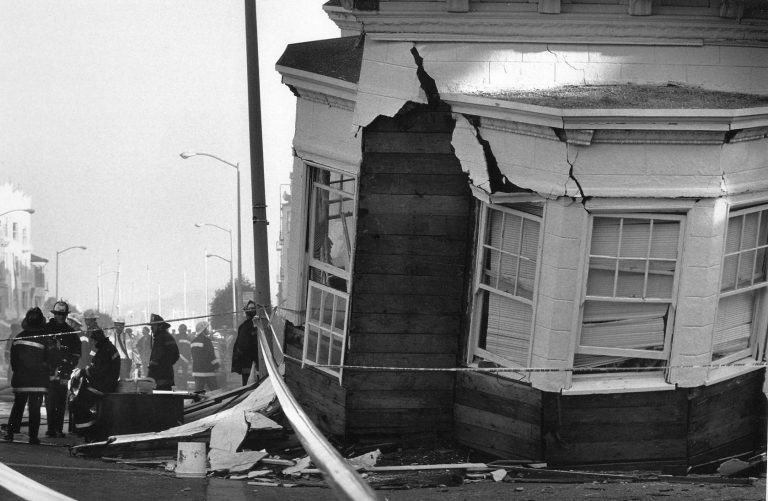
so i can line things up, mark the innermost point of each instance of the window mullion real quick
(618, 258)
(647, 259)
(519, 253)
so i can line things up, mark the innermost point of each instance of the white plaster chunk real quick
(325, 135)
(470, 153)
(387, 81)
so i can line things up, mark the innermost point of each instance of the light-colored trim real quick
(631, 205)
(743, 199)
(724, 373)
(304, 80)
(31, 344)
(617, 383)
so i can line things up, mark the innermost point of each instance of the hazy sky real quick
(97, 100)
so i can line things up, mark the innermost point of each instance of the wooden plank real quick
(402, 343)
(409, 163)
(499, 387)
(417, 285)
(448, 227)
(372, 380)
(387, 421)
(498, 444)
(620, 431)
(406, 265)
(607, 451)
(741, 445)
(404, 323)
(496, 423)
(426, 205)
(627, 415)
(401, 303)
(399, 399)
(378, 243)
(720, 433)
(416, 184)
(418, 360)
(613, 400)
(407, 142)
(504, 406)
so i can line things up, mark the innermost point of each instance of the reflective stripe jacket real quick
(164, 354)
(185, 352)
(104, 369)
(204, 361)
(29, 361)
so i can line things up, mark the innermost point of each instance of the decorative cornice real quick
(332, 101)
(523, 129)
(308, 83)
(617, 136)
(507, 24)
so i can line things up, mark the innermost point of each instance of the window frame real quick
(311, 262)
(478, 288)
(663, 354)
(760, 307)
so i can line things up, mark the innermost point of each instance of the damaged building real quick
(537, 227)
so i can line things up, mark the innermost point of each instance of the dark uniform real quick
(99, 377)
(205, 365)
(144, 347)
(164, 354)
(29, 361)
(245, 352)
(64, 355)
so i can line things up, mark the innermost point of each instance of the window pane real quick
(336, 351)
(312, 335)
(530, 244)
(341, 308)
(634, 238)
(661, 276)
(508, 273)
(665, 239)
(729, 272)
(605, 236)
(734, 323)
(631, 278)
(508, 328)
(526, 279)
(601, 277)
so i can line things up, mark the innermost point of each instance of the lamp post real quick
(234, 312)
(62, 251)
(231, 271)
(236, 286)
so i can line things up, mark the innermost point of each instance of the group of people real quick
(61, 362)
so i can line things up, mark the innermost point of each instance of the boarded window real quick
(743, 284)
(330, 243)
(631, 279)
(505, 290)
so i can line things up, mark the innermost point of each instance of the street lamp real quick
(234, 312)
(29, 211)
(231, 271)
(236, 286)
(62, 251)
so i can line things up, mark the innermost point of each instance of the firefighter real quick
(245, 353)
(64, 354)
(90, 384)
(184, 364)
(29, 361)
(164, 353)
(205, 365)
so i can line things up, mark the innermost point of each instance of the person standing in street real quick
(118, 340)
(63, 355)
(164, 353)
(185, 357)
(29, 361)
(98, 378)
(205, 365)
(245, 353)
(144, 347)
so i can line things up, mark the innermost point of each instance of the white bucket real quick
(191, 460)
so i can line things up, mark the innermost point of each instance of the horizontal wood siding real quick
(319, 394)
(727, 418)
(643, 427)
(409, 276)
(498, 416)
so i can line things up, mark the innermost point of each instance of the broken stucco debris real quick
(470, 153)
